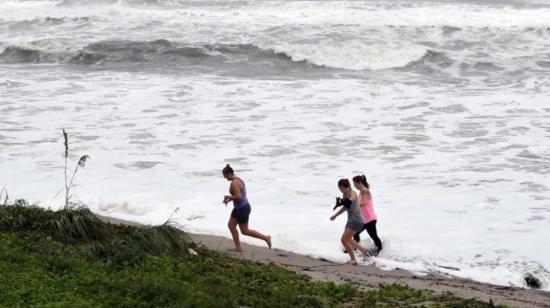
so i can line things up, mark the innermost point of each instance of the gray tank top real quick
(354, 213)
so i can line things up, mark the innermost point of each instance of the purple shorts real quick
(241, 214)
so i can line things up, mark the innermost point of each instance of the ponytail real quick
(227, 170)
(362, 179)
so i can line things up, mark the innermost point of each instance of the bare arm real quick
(235, 190)
(340, 211)
(353, 197)
(366, 195)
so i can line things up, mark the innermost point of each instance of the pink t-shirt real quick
(367, 209)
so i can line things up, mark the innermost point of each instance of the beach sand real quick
(369, 276)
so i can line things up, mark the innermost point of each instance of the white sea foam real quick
(158, 143)
(302, 12)
(354, 55)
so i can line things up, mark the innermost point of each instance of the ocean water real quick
(443, 105)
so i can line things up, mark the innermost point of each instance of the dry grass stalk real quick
(169, 220)
(69, 184)
(7, 198)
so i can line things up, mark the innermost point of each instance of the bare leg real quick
(232, 224)
(359, 247)
(347, 238)
(255, 234)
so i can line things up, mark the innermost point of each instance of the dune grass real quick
(70, 258)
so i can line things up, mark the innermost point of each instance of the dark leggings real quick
(371, 230)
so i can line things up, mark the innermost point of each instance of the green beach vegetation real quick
(71, 258)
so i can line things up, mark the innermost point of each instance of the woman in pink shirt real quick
(367, 209)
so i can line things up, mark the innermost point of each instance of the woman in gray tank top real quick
(355, 221)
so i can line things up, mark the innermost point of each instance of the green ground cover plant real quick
(70, 258)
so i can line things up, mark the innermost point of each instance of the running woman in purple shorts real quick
(241, 210)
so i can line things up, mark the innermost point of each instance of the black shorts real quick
(241, 214)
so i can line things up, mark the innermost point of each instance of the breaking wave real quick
(355, 55)
(352, 56)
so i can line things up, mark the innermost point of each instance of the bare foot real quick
(352, 262)
(268, 241)
(235, 249)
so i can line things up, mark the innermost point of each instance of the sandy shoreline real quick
(369, 276)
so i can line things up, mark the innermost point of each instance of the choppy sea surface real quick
(443, 105)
